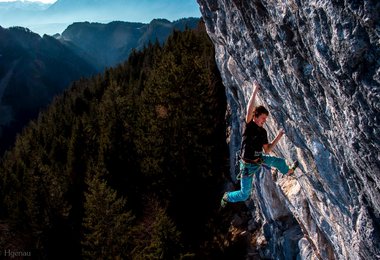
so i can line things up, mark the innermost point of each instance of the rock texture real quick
(319, 64)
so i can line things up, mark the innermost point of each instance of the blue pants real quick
(248, 170)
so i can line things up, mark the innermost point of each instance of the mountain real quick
(318, 63)
(106, 45)
(48, 65)
(125, 165)
(33, 70)
(52, 19)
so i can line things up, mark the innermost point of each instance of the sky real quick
(42, 1)
(58, 19)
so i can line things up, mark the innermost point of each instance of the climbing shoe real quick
(294, 166)
(224, 201)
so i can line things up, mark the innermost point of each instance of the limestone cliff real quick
(318, 62)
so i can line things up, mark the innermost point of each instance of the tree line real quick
(128, 164)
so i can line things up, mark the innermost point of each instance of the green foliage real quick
(157, 236)
(153, 128)
(107, 226)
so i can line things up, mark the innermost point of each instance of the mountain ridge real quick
(50, 64)
(62, 13)
(119, 38)
(33, 69)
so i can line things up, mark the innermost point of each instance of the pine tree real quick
(107, 225)
(153, 126)
(156, 236)
(165, 243)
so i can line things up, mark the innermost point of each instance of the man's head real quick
(260, 115)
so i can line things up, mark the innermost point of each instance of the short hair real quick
(259, 111)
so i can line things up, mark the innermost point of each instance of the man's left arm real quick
(268, 147)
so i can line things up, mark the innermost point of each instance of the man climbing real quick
(252, 158)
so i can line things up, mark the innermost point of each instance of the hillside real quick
(126, 164)
(33, 70)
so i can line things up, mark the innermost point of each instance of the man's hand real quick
(281, 133)
(251, 102)
(256, 86)
(268, 148)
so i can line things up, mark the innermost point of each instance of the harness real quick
(259, 163)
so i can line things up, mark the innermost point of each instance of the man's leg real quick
(276, 162)
(243, 193)
(247, 172)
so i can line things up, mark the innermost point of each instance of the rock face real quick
(319, 66)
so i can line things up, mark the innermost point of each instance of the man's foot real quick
(293, 167)
(224, 201)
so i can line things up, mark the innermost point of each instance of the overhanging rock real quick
(318, 64)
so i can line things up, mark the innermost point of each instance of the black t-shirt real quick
(253, 139)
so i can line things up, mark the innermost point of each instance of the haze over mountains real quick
(51, 19)
(33, 69)
(105, 45)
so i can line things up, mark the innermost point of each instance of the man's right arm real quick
(251, 102)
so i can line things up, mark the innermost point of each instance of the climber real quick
(252, 158)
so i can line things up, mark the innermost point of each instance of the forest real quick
(128, 164)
